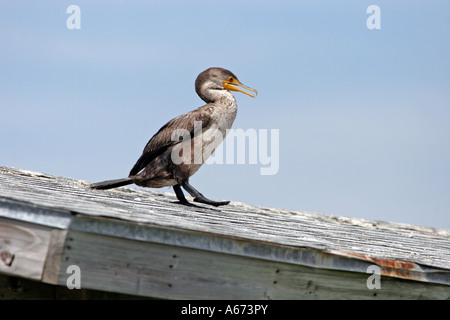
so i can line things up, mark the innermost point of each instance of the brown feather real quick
(162, 141)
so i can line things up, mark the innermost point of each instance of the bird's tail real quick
(109, 184)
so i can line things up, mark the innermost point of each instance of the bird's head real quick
(219, 79)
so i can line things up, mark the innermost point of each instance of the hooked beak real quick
(230, 85)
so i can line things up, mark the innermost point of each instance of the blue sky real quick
(363, 115)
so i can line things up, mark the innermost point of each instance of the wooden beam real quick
(23, 248)
(173, 272)
(143, 243)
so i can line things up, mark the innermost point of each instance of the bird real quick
(181, 146)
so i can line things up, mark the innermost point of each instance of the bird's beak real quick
(230, 85)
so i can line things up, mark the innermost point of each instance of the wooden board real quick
(23, 248)
(131, 241)
(423, 245)
(154, 270)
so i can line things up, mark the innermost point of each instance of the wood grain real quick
(125, 240)
(23, 247)
(169, 272)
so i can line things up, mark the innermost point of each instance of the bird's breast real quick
(224, 113)
(221, 120)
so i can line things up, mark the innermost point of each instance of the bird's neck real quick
(213, 96)
(226, 103)
(224, 112)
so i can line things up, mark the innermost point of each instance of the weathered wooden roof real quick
(284, 238)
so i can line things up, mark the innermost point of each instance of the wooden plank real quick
(54, 256)
(374, 239)
(23, 248)
(257, 249)
(170, 272)
(142, 242)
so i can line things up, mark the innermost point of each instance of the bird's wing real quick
(162, 140)
(148, 157)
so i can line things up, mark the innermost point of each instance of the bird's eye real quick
(231, 79)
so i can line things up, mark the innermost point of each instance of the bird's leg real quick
(198, 197)
(180, 195)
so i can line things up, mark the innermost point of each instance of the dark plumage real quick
(156, 167)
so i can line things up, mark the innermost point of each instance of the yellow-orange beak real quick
(231, 83)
